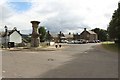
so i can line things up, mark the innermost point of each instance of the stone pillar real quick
(35, 35)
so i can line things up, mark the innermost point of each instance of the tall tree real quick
(42, 32)
(114, 25)
(102, 34)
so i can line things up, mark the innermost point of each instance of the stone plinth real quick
(35, 35)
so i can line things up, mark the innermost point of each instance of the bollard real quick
(9, 45)
(60, 46)
(2, 46)
(56, 46)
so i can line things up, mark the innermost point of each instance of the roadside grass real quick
(44, 45)
(111, 46)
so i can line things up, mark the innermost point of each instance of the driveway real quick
(73, 61)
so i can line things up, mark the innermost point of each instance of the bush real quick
(20, 45)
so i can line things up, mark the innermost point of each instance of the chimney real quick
(48, 32)
(84, 29)
(69, 33)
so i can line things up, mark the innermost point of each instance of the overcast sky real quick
(57, 15)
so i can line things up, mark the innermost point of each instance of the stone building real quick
(69, 37)
(88, 35)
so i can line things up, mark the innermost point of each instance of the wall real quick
(85, 35)
(4, 40)
(15, 37)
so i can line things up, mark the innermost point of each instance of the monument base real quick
(35, 42)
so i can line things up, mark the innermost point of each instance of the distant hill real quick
(26, 31)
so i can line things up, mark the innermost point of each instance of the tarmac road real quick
(73, 61)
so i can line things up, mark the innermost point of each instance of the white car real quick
(70, 42)
(64, 41)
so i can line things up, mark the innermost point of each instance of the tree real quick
(42, 32)
(48, 37)
(114, 25)
(102, 34)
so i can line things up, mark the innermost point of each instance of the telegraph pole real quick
(6, 36)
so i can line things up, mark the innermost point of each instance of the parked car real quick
(94, 41)
(64, 41)
(91, 41)
(82, 41)
(97, 41)
(77, 42)
(70, 42)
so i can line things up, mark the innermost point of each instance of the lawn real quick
(111, 46)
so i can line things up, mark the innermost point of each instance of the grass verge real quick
(111, 46)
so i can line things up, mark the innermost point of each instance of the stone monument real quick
(35, 35)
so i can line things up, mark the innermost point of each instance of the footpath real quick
(41, 48)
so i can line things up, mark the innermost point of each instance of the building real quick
(11, 36)
(88, 35)
(54, 37)
(76, 36)
(69, 37)
(1, 33)
(61, 37)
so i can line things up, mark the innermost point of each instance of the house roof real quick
(91, 32)
(69, 35)
(13, 31)
(9, 32)
(1, 33)
(62, 36)
(54, 34)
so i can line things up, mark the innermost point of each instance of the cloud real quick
(64, 15)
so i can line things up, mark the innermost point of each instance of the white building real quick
(11, 36)
(15, 37)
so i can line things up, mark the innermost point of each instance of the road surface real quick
(73, 61)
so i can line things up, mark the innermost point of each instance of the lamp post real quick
(6, 36)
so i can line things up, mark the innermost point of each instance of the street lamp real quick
(6, 36)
